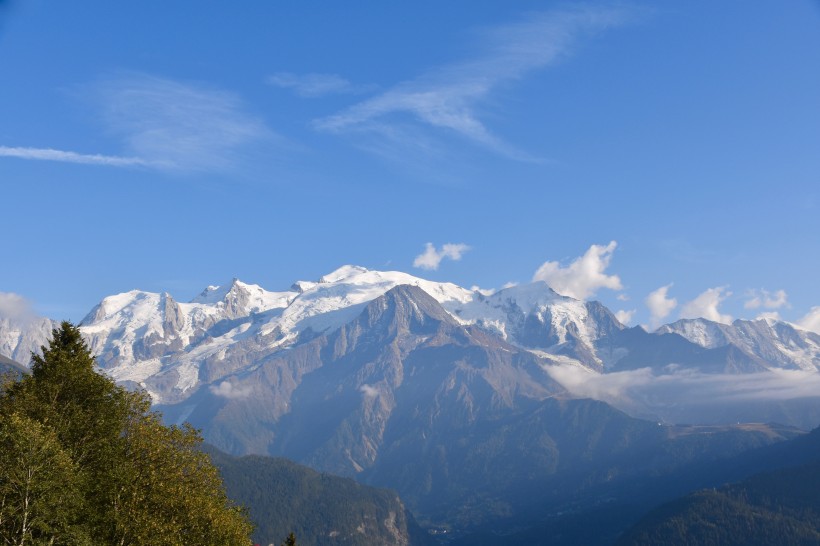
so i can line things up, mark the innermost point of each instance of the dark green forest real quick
(284, 497)
(779, 507)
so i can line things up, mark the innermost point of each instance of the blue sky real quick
(612, 149)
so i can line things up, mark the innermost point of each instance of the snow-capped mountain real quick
(778, 344)
(19, 337)
(424, 387)
(170, 347)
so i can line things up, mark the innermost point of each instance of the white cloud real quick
(811, 321)
(448, 98)
(509, 284)
(766, 299)
(369, 391)
(706, 306)
(584, 276)
(14, 306)
(768, 315)
(644, 389)
(622, 297)
(230, 391)
(314, 85)
(181, 126)
(48, 154)
(625, 317)
(482, 291)
(163, 124)
(660, 305)
(431, 258)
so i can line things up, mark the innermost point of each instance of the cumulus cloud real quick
(622, 297)
(431, 257)
(584, 276)
(706, 306)
(448, 99)
(660, 305)
(14, 307)
(314, 85)
(811, 321)
(230, 391)
(767, 300)
(625, 317)
(482, 291)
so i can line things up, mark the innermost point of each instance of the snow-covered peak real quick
(112, 305)
(340, 295)
(701, 331)
(241, 299)
(343, 273)
(506, 310)
(213, 293)
(777, 342)
(532, 296)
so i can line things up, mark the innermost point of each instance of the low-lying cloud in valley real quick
(689, 395)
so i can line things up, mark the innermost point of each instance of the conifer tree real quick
(138, 482)
(290, 541)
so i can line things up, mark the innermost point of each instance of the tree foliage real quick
(84, 461)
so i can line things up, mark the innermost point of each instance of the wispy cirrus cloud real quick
(181, 126)
(163, 124)
(314, 85)
(449, 98)
(48, 154)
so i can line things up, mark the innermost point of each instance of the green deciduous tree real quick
(137, 481)
(39, 489)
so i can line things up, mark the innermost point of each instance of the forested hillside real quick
(321, 509)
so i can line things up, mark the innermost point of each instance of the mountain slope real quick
(283, 497)
(780, 506)
(7, 365)
(466, 427)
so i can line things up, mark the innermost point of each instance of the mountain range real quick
(172, 348)
(474, 406)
